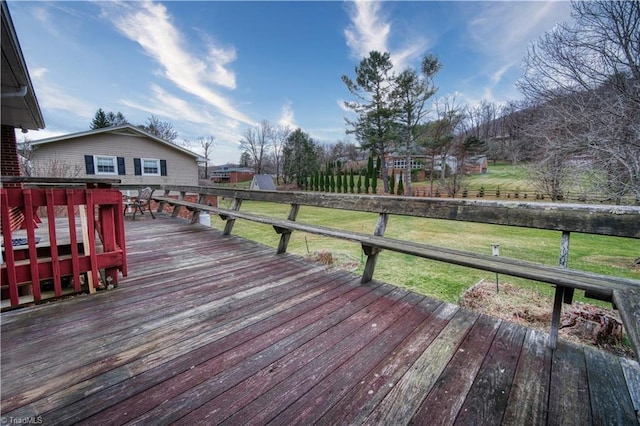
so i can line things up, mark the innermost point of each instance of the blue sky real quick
(215, 68)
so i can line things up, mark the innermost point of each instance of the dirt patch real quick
(581, 323)
(328, 258)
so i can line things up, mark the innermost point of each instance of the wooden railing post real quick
(372, 252)
(33, 252)
(177, 207)
(285, 234)
(73, 238)
(196, 213)
(162, 203)
(55, 259)
(561, 293)
(235, 206)
(9, 254)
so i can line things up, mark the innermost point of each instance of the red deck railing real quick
(57, 250)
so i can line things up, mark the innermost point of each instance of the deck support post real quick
(562, 294)
(372, 252)
(162, 203)
(235, 206)
(177, 207)
(285, 234)
(196, 213)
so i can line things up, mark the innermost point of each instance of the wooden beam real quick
(562, 293)
(621, 221)
(285, 235)
(628, 303)
(372, 255)
(235, 206)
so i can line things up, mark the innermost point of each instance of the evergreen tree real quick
(400, 186)
(375, 126)
(327, 182)
(299, 156)
(351, 182)
(339, 181)
(374, 182)
(103, 119)
(359, 184)
(392, 182)
(99, 120)
(366, 182)
(333, 182)
(321, 182)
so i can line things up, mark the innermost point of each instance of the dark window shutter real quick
(88, 164)
(137, 167)
(121, 166)
(163, 167)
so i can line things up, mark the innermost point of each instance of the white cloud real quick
(52, 96)
(286, 116)
(342, 106)
(150, 25)
(369, 31)
(502, 31)
(183, 114)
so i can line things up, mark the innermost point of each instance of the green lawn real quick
(505, 176)
(598, 254)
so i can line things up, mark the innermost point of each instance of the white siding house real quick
(124, 152)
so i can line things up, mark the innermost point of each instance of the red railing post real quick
(8, 250)
(73, 239)
(31, 241)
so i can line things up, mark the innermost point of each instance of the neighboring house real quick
(473, 165)
(263, 183)
(124, 152)
(20, 109)
(230, 174)
(476, 165)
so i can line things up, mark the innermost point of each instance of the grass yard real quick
(505, 176)
(607, 255)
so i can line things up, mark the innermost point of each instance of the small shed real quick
(263, 183)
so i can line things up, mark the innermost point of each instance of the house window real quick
(106, 165)
(150, 167)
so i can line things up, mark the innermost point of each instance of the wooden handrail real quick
(619, 221)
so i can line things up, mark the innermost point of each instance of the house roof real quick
(20, 108)
(263, 182)
(127, 130)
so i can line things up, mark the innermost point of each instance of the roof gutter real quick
(21, 93)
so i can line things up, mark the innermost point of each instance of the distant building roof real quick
(263, 183)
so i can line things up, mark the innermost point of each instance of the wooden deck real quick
(209, 329)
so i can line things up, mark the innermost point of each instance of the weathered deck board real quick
(449, 393)
(209, 329)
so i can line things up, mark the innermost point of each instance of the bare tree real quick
(161, 129)
(482, 122)
(257, 142)
(588, 76)
(279, 137)
(442, 135)
(207, 144)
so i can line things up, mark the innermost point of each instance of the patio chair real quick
(140, 202)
